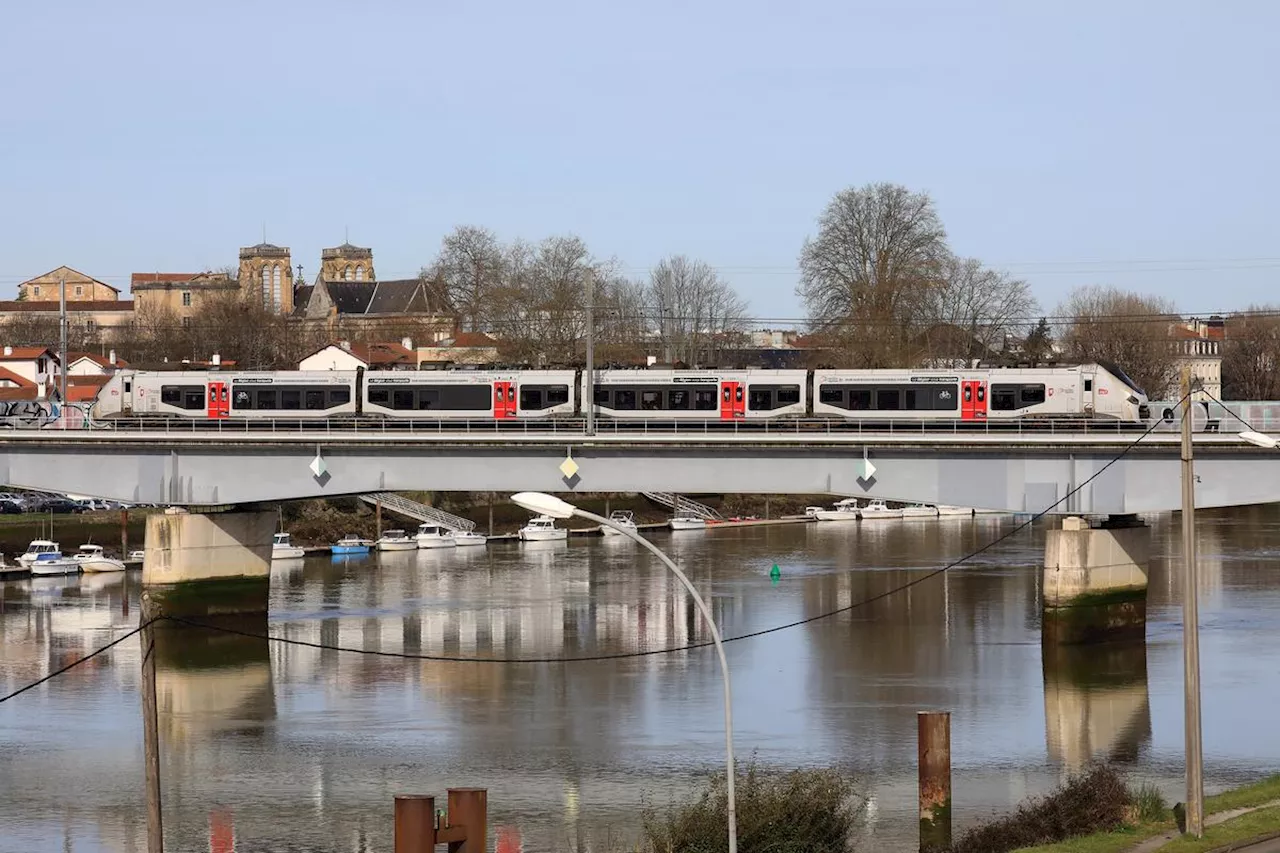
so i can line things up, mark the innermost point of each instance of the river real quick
(289, 747)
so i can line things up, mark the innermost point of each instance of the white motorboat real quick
(282, 548)
(845, 510)
(956, 511)
(37, 548)
(53, 563)
(685, 521)
(623, 518)
(812, 512)
(919, 511)
(434, 536)
(92, 559)
(137, 555)
(879, 509)
(396, 540)
(542, 528)
(463, 538)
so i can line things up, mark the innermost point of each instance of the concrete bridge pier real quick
(208, 564)
(1095, 581)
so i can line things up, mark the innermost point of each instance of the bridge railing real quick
(576, 427)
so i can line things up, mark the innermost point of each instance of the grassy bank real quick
(1137, 829)
(71, 531)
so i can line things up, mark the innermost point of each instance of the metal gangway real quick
(412, 509)
(681, 504)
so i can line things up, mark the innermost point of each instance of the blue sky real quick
(1069, 142)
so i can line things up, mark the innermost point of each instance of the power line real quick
(75, 663)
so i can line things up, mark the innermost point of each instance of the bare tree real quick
(697, 313)
(1251, 355)
(1128, 329)
(973, 311)
(622, 321)
(869, 274)
(472, 267)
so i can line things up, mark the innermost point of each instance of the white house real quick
(92, 364)
(35, 364)
(348, 356)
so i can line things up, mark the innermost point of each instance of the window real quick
(602, 396)
(339, 396)
(428, 398)
(704, 399)
(1088, 385)
(650, 400)
(860, 399)
(530, 397)
(290, 398)
(359, 273)
(1008, 398)
(347, 273)
(888, 399)
(315, 400)
(402, 398)
(186, 322)
(678, 399)
(275, 287)
(831, 395)
(186, 299)
(766, 397)
(624, 399)
(543, 396)
(379, 396)
(90, 325)
(266, 398)
(190, 397)
(79, 290)
(35, 290)
(1031, 395)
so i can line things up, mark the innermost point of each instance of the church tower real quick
(347, 263)
(267, 274)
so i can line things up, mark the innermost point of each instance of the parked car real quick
(18, 499)
(9, 506)
(56, 505)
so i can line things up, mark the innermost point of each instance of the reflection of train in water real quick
(979, 394)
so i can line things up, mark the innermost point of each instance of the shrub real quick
(1094, 801)
(804, 811)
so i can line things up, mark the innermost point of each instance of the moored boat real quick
(878, 509)
(463, 538)
(396, 540)
(92, 559)
(845, 510)
(36, 549)
(685, 521)
(282, 548)
(623, 518)
(352, 544)
(542, 528)
(53, 563)
(434, 536)
(919, 511)
(955, 511)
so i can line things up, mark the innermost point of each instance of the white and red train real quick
(1084, 391)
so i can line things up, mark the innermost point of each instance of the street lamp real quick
(550, 505)
(1257, 438)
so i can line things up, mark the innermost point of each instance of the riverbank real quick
(1232, 819)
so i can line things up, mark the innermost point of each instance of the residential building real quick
(38, 365)
(345, 355)
(80, 287)
(92, 364)
(93, 321)
(1198, 344)
(267, 274)
(361, 309)
(346, 263)
(473, 348)
(180, 293)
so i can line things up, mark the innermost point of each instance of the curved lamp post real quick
(545, 504)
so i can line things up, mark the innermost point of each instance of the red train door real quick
(504, 400)
(732, 404)
(973, 400)
(219, 404)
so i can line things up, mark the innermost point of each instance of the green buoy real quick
(774, 574)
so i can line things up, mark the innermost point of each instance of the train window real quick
(931, 397)
(339, 396)
(530, 397)
(429, 398)
(1031, 395)
(888, 399)
(602, 396)
(788, 395)
(704, 399)
(193, 399)
(128, 386)
(468, 398)
(832, 396)
(765, 397)
(624, 399)
(650, 400)
(290, 398)
(1004, 398)
(379, 396)
(402, 399)
(265, 398)
(315, 400)
(760, 398)
(1088, 385)
(557, 395)
(678, 398)
(171, 394)
(183, 396)
(241, 399)
(860, 399)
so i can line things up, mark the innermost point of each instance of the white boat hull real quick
(287, 552)
(55, 567)
(468, 539)
(687, 523)
(882, 514)
(835, 515)
(543, 535)
(957, 511)
(408, 545)
(606, 530)
(919, 512)
(436, 542)
(100, 564)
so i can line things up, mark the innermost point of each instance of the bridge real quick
(1020, 466)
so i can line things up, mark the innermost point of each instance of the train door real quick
(219, 403)
(1087, 381)
(973, 400)
(732, 402)
(504, 400)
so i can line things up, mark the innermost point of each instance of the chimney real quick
(111, 356)
(407, 343)
(8, 350)
(346, 345)
(216, 360)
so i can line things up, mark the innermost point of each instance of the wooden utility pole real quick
(590, 401)
(151, 728)
(62, 350)
(1191, 625)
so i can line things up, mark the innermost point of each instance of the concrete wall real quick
(184, 546)
(1080, 561)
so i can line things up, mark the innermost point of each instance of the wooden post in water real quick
(124, 533)
(491, 513)
(766, 507)
(151, 728)
(934, 749)
(377, 517)
(415, 824)
(468, 812)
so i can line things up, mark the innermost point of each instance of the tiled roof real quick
(82, 389)
(24, 353)
(13, 395)
(8, 375)
(376, 354)
(100, 360)
(473, 339)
